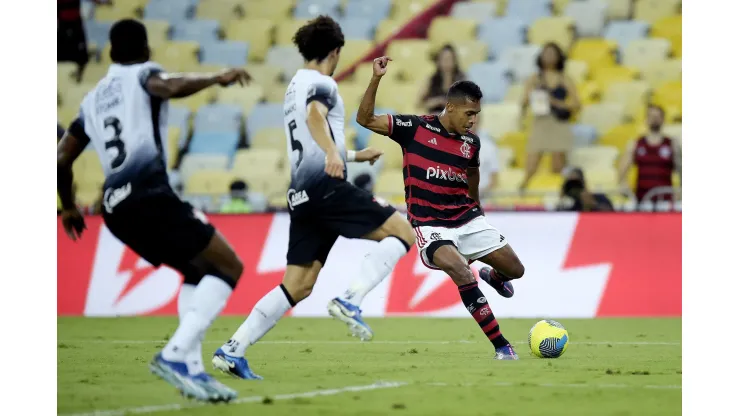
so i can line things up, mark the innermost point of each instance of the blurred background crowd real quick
(581, 111)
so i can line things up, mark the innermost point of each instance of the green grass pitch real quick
(414, 366)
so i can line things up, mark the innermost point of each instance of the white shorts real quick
(473, 240)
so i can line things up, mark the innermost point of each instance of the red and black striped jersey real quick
(655, 165)
(435, 165)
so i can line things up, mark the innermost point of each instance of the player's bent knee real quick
(399, 227)
(518, 271)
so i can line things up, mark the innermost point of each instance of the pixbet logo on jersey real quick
(446, 174)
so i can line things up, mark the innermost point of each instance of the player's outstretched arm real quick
(68, 150)
(168, 86)
(366, 113)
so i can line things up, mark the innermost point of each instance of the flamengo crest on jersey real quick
(307, 159)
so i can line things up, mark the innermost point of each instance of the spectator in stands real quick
(553, 98)
(656, 157)
(71, 39)
(238, 202)
(575, 195)
(364, 181)
(433, 96)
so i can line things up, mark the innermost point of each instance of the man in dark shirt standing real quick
(71, 40)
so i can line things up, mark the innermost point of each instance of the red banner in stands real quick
(577, 265)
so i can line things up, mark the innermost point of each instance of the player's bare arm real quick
(168, 86)
(366, 113)
(68, 150)
(367, 154)
(473, 183)
(318, 126)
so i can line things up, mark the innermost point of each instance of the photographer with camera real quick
(577, 196)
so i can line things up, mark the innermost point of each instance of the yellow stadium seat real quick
(668, 94)
(405, 52)
(597, 53)
(406, 9)
(67, 114)
(609, 75)
(119, 10)
(286, 29)
(558, 6)
(157, 31)
(223, 11)
(510, 179)
(620, 135)
(195, 101)
(386, 28)
(173, 146)
(445, 30)
(179, 56)
(73, 94)
(269, 138)
(659, 73)
(258, 32)
(594, 157)
(667, 27)
(588, 92)
(577, 70)
(246, 97)
(266, 160)
(277, 10)
(94, 72)
(389, 185)
(88, 197)
(514, 94)
(517, 142)
(363, 73)
(559, 29)
(275, 93)
(401, 97)
(418, 73)
(505, 156)
(392, 155)
(601, 179)
(274, 185)
(352, 94)
(642, 53)
(353, 51)
(618, 9)
(633, 94)
(66, 73)
(500, 119)
(264, 73)
(603, 116)
(673, 131)
(545, 182)
(87, 170)
(470, 52)
(208, 182)
(652, 11)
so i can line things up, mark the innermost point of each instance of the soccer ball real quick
(548, 339)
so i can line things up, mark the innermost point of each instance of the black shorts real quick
(161, 228)
(337, 208)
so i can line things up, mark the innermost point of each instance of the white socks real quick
(263, 317)
(376, 265)
(194, 357)
(206, 302)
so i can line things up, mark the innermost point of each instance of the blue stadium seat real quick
(493, 78)
(218, 118)
(357, 28)
(226, 53)
(219, 143)
(201, 31)
(501, 34)
(170, 10)
(529, 10)
(625, 31)
(521, 60)
(374, 11)
(308, 9)
(585, 134)
(264, 115)
(97, 32)
(178, 117)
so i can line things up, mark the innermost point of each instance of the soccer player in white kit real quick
(125, 119)
(322, 204)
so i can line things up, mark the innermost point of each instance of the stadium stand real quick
(622, 56)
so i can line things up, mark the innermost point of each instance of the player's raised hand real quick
(334, 165)
(234, 75)
(368, 154)
(380, 65)
(73, 223)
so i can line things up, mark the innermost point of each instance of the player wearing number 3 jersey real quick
(441, 161)
(125, 119)
(322, 204)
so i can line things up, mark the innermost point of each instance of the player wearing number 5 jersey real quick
(125, 119)
(322, 204)
(441, 161)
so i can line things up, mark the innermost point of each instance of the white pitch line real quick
(566, 385)
(251, 399)
(382, 342)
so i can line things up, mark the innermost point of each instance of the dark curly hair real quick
(465, 90)
(128, 40)
(317, 38)
(560, 66)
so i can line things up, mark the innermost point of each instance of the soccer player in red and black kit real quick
(441, 161)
